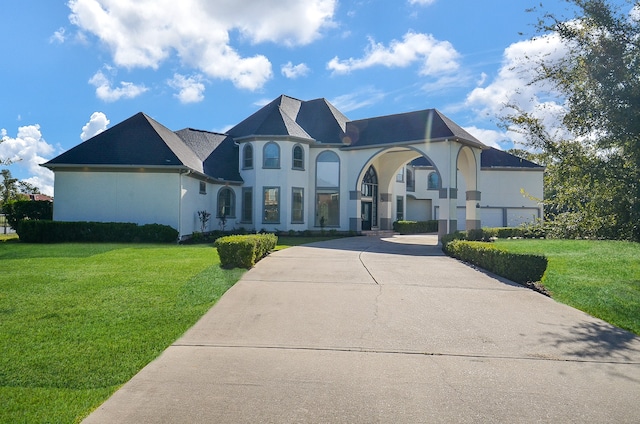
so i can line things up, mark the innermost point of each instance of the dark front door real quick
(367, 210)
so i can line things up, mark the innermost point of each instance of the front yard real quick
(79, 320)
(601, 278)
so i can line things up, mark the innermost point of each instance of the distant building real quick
(297, 165)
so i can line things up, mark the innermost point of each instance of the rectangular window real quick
(399, 208)
(328, 209)
(297, 205)
(400, 175)
(247, 204)
(203, 187)
(271, 205)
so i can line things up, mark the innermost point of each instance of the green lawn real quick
(79, 320)
(601, 278)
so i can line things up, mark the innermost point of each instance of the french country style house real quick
(296, 165)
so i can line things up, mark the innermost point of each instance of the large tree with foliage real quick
(592, 179)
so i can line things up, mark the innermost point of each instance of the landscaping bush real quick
(243, 251)
(41, 231)
(415, 227)
(521, 268)
(17, 211)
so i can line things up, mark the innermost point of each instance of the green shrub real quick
(41, 231)
(243, 251)
(17, 211)
(521, 268)
(415, 227)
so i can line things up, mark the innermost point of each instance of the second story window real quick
(271, 156)
(247, 156)
(298, 157)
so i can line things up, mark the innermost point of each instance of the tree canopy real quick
(592, 178)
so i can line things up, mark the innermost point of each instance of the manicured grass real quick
(601, 278)
(79, 320)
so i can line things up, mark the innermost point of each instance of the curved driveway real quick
(385, 330)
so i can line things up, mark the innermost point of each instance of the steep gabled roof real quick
(218, 153)
(277, 118)
(494, 158)
(427, 124)
(136, 141)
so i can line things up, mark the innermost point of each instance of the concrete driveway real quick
(385, 330)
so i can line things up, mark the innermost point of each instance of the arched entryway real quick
(369, 200)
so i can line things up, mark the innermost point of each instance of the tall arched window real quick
(271, 155)
(327, 189)
(226, 203)
(411, 182)
(433, 181)
(247, 156)
(298, 157)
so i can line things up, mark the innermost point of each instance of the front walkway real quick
(368, 329)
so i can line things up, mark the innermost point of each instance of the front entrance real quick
(367, 215)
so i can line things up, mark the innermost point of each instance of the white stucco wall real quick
(135, 196)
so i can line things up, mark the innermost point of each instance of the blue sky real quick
(73, 68)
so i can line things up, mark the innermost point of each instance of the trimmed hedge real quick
(20, 210)
(415, 227)
(41, 231)
(243, 251)
(521, 268)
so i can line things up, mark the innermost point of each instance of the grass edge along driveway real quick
(78, 321)
(601, 278)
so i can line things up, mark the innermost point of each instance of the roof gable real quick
(137, 141)
(427, 124)
(322, 121)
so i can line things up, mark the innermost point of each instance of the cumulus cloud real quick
(513, 84)
(97, 123)
(190, 89)
(28, 149)
(106, 92)
(435, 56)
(292, 71)
(147, 32)
(499, 139)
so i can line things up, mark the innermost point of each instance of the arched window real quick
(271, 155)
(226, 203)
(369, 203)
(327, 189)
(298, 157)
(433, 181)
(411, 182)
(247, 156)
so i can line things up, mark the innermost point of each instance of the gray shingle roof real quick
(142, 141)
(494, 158)
(427, 124)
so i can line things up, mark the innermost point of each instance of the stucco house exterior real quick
(296, 165)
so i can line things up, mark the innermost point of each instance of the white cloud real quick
(29, 150)
(58, 36)
(106, 92)
(422, 2)
(513, 84)
(357, 100)
(493, 138)
(436, 57)
(97, 123)
(293, 72)
(147, 32)
(190, 89)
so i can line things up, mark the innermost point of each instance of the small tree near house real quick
(204, 217)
